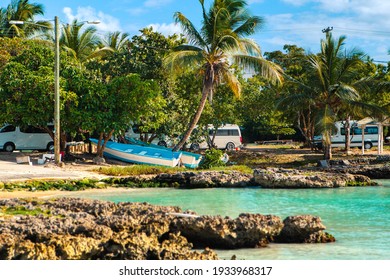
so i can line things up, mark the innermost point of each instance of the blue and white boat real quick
(140, 154)
(188, 159)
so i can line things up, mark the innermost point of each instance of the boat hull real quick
(140, 154)
(188, 159)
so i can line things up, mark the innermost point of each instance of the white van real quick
(227, 137)
(28, 138)
(338, 139)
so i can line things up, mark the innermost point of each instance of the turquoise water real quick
(359, 218)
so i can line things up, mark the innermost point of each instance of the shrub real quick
(213, 158)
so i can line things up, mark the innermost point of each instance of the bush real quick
(213, 158)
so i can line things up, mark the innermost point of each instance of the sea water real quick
(358, 217)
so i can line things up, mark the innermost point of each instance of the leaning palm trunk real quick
(327, 146)
(207, 91)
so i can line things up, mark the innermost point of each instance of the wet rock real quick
(303, 229)
(246, 231)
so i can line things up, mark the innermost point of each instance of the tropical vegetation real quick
(169, 85)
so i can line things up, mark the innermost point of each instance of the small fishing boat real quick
(191, 160)
(188, 159)
(140, 154)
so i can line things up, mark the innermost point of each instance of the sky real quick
(365, 23)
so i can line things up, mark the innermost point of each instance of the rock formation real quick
(292, 178)
(71, 228)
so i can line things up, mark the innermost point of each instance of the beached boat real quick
(140, 154)
(188, 159)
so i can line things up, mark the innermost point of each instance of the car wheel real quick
(230, 146)
(367, 145)
(162, 143)
(195, 147)
(50, 147)
(9, 147)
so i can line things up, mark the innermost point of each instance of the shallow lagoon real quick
(359, 218)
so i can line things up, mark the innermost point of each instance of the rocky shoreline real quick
(73, 228)
(335, 177)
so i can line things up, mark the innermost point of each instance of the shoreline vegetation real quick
(279, 166)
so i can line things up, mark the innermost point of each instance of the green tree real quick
(293, 97)
(21, 10)
(27, 83)
(259, 111)
(109, 108)
(220, 40)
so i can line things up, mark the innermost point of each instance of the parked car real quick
(24, 138)
(227, 137)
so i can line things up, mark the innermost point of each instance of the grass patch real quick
(135, 170)
(62, 185)
(21, 210)
(239, 168)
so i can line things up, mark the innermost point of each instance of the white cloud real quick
(107, 22)
(166, 29)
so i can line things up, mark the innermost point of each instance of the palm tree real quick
(115, 41)
(219, 43)
(21, 10)
(80, 43)
(332, 84)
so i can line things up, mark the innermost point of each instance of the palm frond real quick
(189, 30)
(265, 67)
(250, 26)
(345, 92)
(232, 81)
(177, 61)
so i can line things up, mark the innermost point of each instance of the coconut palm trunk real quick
(206, 92)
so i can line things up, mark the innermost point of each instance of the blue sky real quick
(366, 23)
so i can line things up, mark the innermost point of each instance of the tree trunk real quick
(207, 90)
(103, 138)
(327, 145)
(347, 127)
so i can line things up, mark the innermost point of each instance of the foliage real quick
(138, 98)
(259, 112)
(291, 97)
(212, 158)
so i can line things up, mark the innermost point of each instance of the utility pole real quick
(327, 31)
(57, 134)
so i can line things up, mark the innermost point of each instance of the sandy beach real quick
(10, 171)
